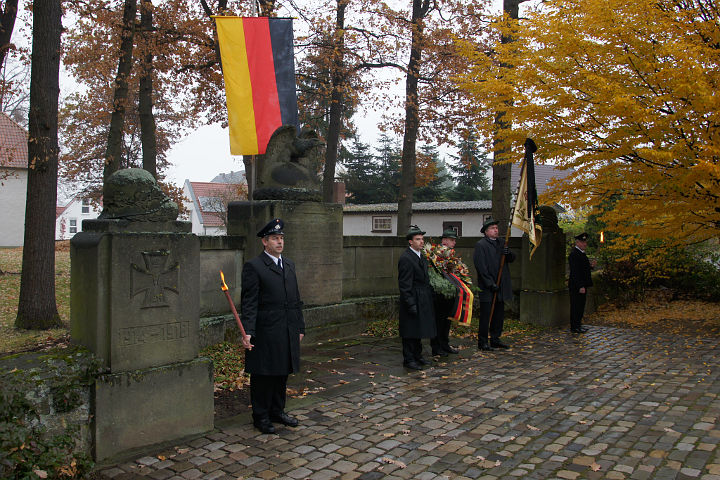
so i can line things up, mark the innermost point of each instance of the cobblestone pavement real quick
(613, 404)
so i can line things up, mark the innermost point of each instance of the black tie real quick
(280, 263)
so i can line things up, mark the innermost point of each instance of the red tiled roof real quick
(59, 211)
(212, 190)
(13, 144)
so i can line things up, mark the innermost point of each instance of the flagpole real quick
(529, 144)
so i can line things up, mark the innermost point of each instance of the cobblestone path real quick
(613, 403)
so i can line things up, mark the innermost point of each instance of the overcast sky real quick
(205, 153)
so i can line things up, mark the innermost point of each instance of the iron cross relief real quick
(153, 278)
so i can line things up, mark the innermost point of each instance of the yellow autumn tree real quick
(623, 93)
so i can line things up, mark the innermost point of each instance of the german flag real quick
(462, 307)
(259, 72)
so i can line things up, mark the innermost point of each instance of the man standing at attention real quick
(273, 320)
(578, 283)
(488, 253)
(417, 317)
(443, 308)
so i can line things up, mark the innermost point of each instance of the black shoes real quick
(285, 419)
(422, 361)
(579, 330)
(450, 349)
(441, 353)
(484, 345)
(496, 343)
(412, 365)
(264, 425)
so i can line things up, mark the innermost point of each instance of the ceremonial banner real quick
(526, 203)
(259, 72)
(462, 308)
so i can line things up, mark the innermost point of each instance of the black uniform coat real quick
(486, 257)
(272, 315)
(414, 285)
(580, 271)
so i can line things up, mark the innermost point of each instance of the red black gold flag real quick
(259, 71)
(462, 306)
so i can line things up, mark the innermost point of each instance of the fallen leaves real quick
(677, 316)
(394, 462)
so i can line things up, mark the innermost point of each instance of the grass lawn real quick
(12, 339)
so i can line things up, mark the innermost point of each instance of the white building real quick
(466, 218)
(68, 219)
(13, 181)
(207, 205)
(381, 218)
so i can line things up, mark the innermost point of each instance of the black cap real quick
(412, 231)
(489, 222)
(449, 233)
(583, 237)
(274, 227)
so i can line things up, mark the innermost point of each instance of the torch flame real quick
(224, 286)
(602, 237)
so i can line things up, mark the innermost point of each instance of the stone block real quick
(543, 292)
(550, 309)
(313, 240)
(342, 320)
(216, 255)
(145, 407)
(134, 297)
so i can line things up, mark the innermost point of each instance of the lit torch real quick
(224, 288)
(602, 237)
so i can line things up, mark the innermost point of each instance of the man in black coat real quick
(417, 317)
(578, 283)
(273, 320)
(443, 308)
(488, 252)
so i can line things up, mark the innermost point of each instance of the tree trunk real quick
(147, 119)
(412, 118)
(336, 104)
(501, 188)
(113, 154)
(36, 307)
(7, 24)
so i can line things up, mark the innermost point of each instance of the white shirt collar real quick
(274, 259)
(416, 252)
(583, 251)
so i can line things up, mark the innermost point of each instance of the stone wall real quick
(370, 264)
(369, 285)
(57, 394)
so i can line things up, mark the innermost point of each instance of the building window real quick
(382, 224)
(457, 226)
(73, 226)
(85, 205)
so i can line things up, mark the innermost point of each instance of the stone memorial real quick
(288, 187)
(135, 305)
(544, 296)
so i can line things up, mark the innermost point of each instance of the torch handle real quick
(234, 311)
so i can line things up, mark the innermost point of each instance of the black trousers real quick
(495, 328)
(577, 309)
(442, 312)
(267, 395)
(412, 349)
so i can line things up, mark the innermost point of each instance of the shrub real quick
(27, 449)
